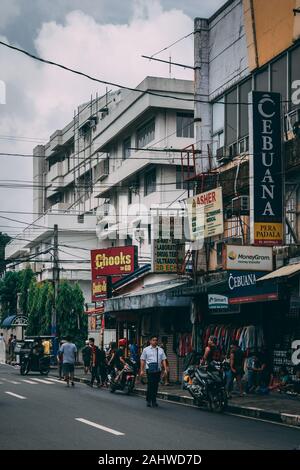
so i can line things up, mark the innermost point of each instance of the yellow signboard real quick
(265, 233)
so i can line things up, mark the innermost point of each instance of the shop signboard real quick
(243, 287)
(220, 304)
(168, 252)
(113, 261)
(250, 258)
(99, 289)
(266, 187)
(205, 214)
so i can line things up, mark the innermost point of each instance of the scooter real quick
(206, 384)
(127, 381)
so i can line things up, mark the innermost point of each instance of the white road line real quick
(55, 380)
(43, 381)
(99, 426)
(15, 395)
(29, 382)
(13, 382)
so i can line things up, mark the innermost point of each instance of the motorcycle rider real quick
(118, 359)
(211, 352)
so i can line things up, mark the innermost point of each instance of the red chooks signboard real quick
(99, 289)
(113, 261)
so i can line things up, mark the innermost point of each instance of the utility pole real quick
(55, 277)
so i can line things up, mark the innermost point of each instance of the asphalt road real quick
(43, 413)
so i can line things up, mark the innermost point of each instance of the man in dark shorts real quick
(118, 360)
(236, 367)
(69, 352)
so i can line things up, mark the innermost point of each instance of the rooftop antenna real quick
(170, 67)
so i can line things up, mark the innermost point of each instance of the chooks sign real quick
(113, 261)
(266, 206)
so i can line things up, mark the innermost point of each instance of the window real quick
(150, 182)
(231, 117)
(181, 182)
(218, 114)
(185, 125)
(126, 148)
(295, 68)
(262, 81)
(279, 77)
(244, 91)
(146, 134)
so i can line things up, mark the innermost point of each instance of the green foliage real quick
(4, 240)
(9, 287)
(25, 280)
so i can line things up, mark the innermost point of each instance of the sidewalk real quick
(274, 407)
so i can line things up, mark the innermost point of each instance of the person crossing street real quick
(152, 359)
(69, 352)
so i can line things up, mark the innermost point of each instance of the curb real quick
(247, 411)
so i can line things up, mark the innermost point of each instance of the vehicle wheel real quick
(44, 372)
(112, 388)
(22, 370)
(129, 388)
(217, 402)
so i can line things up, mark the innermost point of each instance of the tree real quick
(4, 240)
(25, 282)
(9, 287)
(33, 327)
(71, 319)
(47, 316)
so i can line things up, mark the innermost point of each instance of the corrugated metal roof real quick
(286, 271)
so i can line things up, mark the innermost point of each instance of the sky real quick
(104, 38)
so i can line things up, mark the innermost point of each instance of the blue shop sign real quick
(243, 287)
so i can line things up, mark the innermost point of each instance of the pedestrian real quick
(152, 359)
(2, 349)
(9, 348)
(98, 363)
(86, 356)
(60, 361)
(165, 380)
(211, 352)
(118, 359)
(69, 352)
(236, 368)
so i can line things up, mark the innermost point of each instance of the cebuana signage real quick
(266, 204)
(250, 258)
(243, 287)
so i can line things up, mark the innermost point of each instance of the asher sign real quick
(266, 195)
(250, 258)
(205, 213)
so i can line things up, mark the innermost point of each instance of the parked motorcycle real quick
(206, 384)
(127, 381)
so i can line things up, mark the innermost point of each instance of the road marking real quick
(13, 382)
(29, 382)
(43, 381)
(15, 395)
(55, 380)
(99, 426)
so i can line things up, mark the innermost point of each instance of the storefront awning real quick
(14, 320)
(284, 272)
(151, 296)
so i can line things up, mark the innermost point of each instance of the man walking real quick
(152, 358)
(86, 356)
(98, 360)
(2, 349)
(69, 352)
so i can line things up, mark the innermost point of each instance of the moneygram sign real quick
(248, 258)
(266, 204)
(113, 261)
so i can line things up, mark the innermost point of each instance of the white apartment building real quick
(121, 150)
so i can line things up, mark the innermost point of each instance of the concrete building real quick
(101, 160)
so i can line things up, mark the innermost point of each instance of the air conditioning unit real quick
(102, 169)
(240, 205)
(37, 267)
(223, 154)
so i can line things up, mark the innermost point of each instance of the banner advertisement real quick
(250, 258)
(266, 188)
(99, 289)
(168, 251)
(243, 288)
(113, 261)
(205, 214)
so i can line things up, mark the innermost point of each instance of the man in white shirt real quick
(152, 358)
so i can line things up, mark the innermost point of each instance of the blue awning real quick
(8, 321)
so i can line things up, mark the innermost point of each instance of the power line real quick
(173, 44)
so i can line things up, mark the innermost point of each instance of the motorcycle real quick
(127, 381)
(206, 384)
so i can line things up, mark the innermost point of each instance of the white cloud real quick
(41, 98)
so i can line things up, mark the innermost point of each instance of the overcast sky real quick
(104, 38)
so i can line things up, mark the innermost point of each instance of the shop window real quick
(146, 134)
(244, 91)
(185, 125)
(262, 80)
(150, 182)
(231, 115)
(126, 150)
